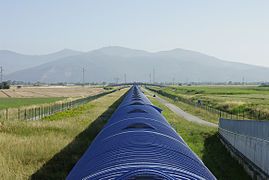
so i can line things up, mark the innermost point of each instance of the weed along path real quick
(182, 113)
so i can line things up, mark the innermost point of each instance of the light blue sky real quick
(235, 30)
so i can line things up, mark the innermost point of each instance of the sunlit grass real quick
(27, 145)
(252, 102)
(204, 142)
(19, 102)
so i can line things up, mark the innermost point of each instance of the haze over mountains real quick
(13, 61)
(110, 63)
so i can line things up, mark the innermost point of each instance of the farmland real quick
(39, 148)
(252, 100)
(36, 148)
(19, 102)
(49, 91)
(27, 96)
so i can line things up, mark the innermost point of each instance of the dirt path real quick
(5, 93)
(182, 113)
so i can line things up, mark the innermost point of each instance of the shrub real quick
(4, 85)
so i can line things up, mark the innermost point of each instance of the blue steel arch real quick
(138, 143)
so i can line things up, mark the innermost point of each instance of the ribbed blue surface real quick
(138, 143)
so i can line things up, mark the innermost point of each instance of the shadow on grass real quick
(220, 162)
(62, 163)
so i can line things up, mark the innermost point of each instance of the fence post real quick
(25, 114)
(6, 113)
(39, 112)
(19, 114)
(42, 113)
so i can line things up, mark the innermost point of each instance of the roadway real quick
(181, 113)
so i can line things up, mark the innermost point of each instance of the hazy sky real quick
(235, 30)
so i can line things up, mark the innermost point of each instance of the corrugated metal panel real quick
(138, 143)
(253, 128)
(250, 138)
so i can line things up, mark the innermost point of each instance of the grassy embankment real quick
(252, 100)
(19, 102)
(48, 149)
(205, 143)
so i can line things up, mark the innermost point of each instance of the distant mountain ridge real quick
(111, 63)
(13, 61)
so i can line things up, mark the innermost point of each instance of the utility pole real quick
(150, 78)
(117, 80)
(187, 80)
(153, 78)
(1, 74)
(125, 78)
(83, 76)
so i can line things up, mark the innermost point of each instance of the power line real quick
(153, 76)
(117, 80)
(83, 76)
(1, 74)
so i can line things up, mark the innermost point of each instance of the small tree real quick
(4, 85)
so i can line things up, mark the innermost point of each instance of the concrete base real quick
(254, 171)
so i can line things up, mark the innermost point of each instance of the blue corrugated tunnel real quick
(138, 143)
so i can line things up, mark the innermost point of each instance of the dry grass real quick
(27, 145)
(50, 91)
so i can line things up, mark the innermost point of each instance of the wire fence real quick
(41, 111)
(239, 114)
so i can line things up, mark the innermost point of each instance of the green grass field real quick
(19, 102)
(49, 148)
(252, 100)
(205, 143)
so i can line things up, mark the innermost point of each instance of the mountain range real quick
(112, 63)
